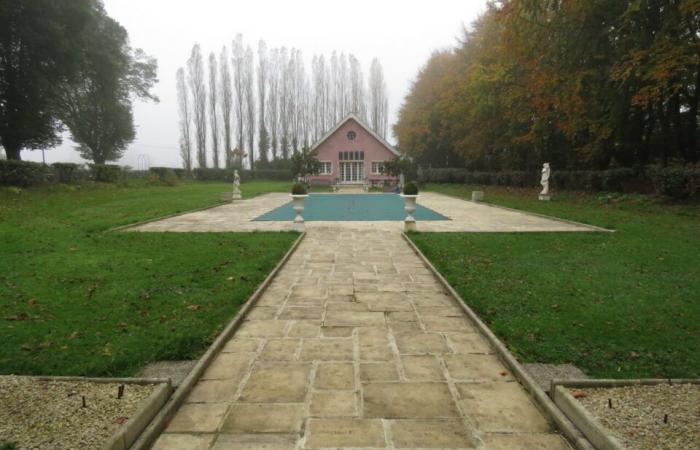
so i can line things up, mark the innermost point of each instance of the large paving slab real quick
(465, 216)
(361, 373)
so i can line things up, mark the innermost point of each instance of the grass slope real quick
(617, 305)
(77, 300)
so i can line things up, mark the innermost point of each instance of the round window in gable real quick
(352, 135)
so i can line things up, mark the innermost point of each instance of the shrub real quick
(106, 173)
(163, 175)
(23, 173)
(410, 188)
(299, 189)
(68, 172)
(677, 182)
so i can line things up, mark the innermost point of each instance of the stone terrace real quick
(356, 345)
(465, 216)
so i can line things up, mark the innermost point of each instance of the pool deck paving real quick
(354, 344)
(465, 216)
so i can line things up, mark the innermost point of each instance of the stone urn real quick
(298, 202)
(410, 207)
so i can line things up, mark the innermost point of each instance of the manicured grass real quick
(76, 299)
(619, 305)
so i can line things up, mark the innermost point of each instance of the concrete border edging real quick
(160, 421)
(126, 435)
(136, 424)
(602, 437)
(541, 399)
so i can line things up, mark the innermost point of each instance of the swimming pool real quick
(350, 207)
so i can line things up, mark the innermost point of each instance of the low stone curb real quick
(552, 413)
(596, 432)
(160, 421)
(127, 434)
(136, 424)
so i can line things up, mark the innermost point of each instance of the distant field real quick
(617, 305)
(78, 300)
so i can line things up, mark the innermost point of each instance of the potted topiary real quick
(299, 194)
(410, 195)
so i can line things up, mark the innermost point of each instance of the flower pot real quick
(298, 201)
(410, 207)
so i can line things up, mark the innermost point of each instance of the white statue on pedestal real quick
(236, 186)
(546, 173)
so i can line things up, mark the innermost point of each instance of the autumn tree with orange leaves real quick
(578, 83)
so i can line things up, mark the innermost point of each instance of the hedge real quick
(678, 182)
(211, 174)
(582, 180)
(106, 173)
(68, 172)
(23, 173)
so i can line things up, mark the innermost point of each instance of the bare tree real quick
(195, 69)
(378, 101)
(285, 102)
(238, 61)
(226, 104)
(343, 86)
(263, 82)
(358, 103)
(249, 88)
(273, 101)
(183, 103)
(214, 107)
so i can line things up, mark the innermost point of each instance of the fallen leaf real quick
(579, 394)
(121, 420)
(504, 374)
(634, 355)
(194, 307)
(32, 301)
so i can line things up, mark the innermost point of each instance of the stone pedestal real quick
(477, 196)
(545, 197)
(236, 194)
(409, 223)
(298, 201)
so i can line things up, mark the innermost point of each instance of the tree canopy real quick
(581, 84)
(68, 64)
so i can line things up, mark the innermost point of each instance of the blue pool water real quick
(350, 207)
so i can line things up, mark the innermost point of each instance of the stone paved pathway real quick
(356, 345)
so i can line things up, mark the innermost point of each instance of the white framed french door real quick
(352, 172)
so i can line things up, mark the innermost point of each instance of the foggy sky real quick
(402, 34)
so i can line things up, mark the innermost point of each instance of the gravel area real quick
(637, 415)
(40, 415)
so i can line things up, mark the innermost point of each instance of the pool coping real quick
(552, 413)
(444, 218)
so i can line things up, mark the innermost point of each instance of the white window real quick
(326, 168)
(377, 167)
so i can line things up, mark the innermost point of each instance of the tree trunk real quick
(693, 122)
(12, 151)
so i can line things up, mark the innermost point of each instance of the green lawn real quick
(619, 305)
(77, 299)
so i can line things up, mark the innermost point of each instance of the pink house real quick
(351, 153)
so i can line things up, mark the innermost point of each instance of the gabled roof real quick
(352, 116)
